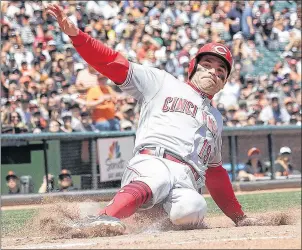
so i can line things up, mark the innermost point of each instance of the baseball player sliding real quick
(178, 141)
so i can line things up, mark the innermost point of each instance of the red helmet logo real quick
(221, 50)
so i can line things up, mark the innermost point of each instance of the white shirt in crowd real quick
(229, 95)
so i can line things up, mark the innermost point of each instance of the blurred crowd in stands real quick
(47, 87)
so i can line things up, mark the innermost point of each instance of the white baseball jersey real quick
(176, 117)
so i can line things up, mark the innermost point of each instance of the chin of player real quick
(209, 87)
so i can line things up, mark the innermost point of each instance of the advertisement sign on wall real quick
(113, 155)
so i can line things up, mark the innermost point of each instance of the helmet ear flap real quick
(192, 67)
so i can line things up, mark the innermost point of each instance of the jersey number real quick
(205, 152)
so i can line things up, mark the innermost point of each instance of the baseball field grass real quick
(252, 203)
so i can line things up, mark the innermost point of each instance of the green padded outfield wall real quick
(36, 168)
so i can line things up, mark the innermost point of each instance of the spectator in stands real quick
(43, 101)
(65, 181)
(87, 122)
(229, 95)
(290, 105)
(247, 20)
(37, 124)
(67, 118)
(295, 37)
(253, 167)
(86, 79)
(51, 184)
(286, 88)
(274, 114)
(283, 167)
(252, 120)
(15, 123)
(127, 121)
(12, 182)
(298, 112)
(103, 115)
(54, 113)
(242, 112)
(230, 114)
(24, 111)
(54, 127)
(76, 118)
(235, 17)
(27, 35)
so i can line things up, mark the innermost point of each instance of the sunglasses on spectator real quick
(63, 176)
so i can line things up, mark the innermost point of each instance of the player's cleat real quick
(101, 225)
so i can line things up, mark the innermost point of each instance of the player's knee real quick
(189, 213)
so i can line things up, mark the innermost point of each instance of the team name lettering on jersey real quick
(176, 104)
(209, 121)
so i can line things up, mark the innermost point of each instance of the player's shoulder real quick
(156, 74)
(136, 67)
(218, 117)
(147, 68)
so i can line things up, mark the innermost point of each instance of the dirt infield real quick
(279, 230)
(222, 234)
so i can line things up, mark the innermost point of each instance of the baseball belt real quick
(172, 157)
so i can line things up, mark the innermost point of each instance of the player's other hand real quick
(66, 25)
(248, 221)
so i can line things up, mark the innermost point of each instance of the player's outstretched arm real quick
(221, 190)
(105, 60)
(219, 186)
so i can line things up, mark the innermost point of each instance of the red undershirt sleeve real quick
(105, 60)
(219, 186)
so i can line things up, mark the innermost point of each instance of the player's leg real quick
(186, 208)
(146, 182)
(124, 204)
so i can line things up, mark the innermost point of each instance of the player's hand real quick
(66, 25)
(248, 221)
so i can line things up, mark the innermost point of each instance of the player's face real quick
(211, 74)
(216, 65)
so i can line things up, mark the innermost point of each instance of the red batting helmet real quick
(215, 49)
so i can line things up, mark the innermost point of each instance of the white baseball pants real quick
(172, 185)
